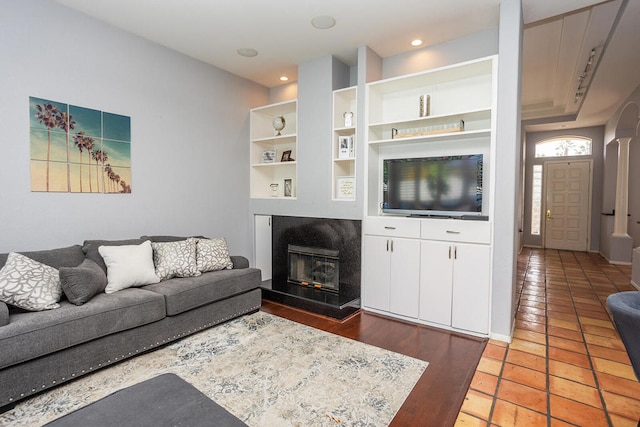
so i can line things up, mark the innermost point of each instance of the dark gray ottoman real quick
(166, 400)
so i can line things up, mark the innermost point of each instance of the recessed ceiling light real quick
(416, 42)
(284, 79)
(323, 22)
(247, 52)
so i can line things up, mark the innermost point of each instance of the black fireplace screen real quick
(314, 267)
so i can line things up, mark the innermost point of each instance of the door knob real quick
(548, 214)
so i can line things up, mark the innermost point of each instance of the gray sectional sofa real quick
(42, 349)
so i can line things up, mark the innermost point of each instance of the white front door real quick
(568, 200)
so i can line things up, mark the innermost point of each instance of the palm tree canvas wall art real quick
(78, 150)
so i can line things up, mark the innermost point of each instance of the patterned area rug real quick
(265, 370)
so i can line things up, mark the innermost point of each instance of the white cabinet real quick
(272, 152)
(448, 111)
(262, 244)
(433, 271)
(454, 285)
(390, 271)
(344, 140)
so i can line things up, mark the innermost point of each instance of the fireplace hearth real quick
(316, 265)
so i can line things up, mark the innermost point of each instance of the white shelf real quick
(438, 137)
(344, 100)
(263, 138)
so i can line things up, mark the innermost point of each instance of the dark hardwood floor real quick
(438, 395)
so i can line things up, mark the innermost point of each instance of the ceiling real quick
(559, 36)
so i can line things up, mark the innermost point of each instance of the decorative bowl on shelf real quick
(278, 124)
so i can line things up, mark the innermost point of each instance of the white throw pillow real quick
(29, 284)
(128, 266)
(175, 259)
(213, 255)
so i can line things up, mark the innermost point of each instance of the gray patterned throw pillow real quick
(213, 255)
(29, 284)
(175, 259)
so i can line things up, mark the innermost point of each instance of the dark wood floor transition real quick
(437, 397)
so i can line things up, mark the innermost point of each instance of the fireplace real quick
(316, 264)
(318, 268)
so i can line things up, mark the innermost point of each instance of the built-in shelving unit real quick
(272, 176)
(344, 140)
(431, 271)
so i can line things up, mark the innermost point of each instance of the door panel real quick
(568, 205)
(376, 274)
(404, 285)
(436, 277)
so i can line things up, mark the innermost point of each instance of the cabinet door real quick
(262, 230)
(471, 274)
(376, 273)
(404, 290)
(436, 276)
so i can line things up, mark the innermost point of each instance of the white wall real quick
(477, 45)
(189, 131)
(507, 169)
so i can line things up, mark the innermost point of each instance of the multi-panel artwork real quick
(78, 150)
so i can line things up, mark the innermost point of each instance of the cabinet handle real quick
(449, 252)
(455, 252)
(392, 246)
(387, 245)
(389, 228)
(452, 232)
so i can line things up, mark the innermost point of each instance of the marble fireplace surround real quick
(343, 235)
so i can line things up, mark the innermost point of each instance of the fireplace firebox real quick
(318, 268)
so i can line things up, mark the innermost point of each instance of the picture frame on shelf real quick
(286, 156)
(269, 156)
(288, 187)
(345, 187)
(346, 149)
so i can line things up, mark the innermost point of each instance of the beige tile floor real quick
(566, 365)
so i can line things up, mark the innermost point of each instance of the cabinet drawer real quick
(456, 230)
(393, 227)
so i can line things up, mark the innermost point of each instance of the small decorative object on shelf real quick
(348, 119)
(274, 189)
(278, 124)
(288, 188)
(345, 187)
(286, 156)
(457, 126)
(268, 156)
(425, 105)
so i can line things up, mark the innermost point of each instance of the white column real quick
(622, 188)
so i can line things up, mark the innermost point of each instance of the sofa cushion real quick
(128, 266)
(175, 259)
(29, 284)
(81, 283)
(31, 335)
(186, 293)
(213, 255)
(56, 258)
(90, 249)
(4, 314)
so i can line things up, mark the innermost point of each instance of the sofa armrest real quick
(239, 261)
(4, 314)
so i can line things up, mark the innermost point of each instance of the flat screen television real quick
(448, 186)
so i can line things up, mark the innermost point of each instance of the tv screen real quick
(442, 186)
